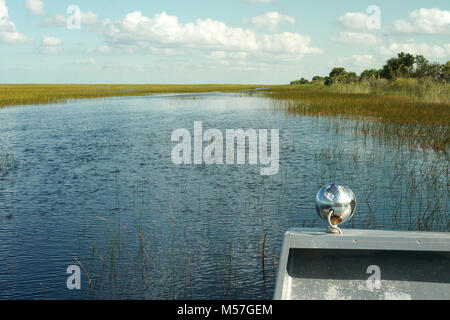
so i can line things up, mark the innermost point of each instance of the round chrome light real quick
(335, 204)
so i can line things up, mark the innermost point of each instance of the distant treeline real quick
(405, 65)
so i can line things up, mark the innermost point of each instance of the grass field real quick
(20, 94)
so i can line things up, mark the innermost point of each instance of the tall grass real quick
(414, 122)
(18, 94)
(7, 160)
(419, 89)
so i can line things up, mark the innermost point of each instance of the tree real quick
(370, 74)
(351, 77)
(402, 66)
(318, 79)
(445, 72)
(421, 66)
(339, 75)
(426, 69)
(301, 81)
(337, 72)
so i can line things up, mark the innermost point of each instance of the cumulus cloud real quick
(429, 51)
(228, 58)
(8, 31)
(356, 38)
(428, 21)
(35, 7)
(360, 62)
(221, 55)
(50, 45)
(137, 30)
(87, 18)
(354, 21)
(269, 20)
(237, 61)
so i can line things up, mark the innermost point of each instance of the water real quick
(93, 183)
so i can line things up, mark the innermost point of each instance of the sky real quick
(211, 41)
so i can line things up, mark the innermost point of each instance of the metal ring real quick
(333, 227)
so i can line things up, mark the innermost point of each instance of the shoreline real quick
(27, 94)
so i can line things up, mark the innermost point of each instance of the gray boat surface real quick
(363, 265)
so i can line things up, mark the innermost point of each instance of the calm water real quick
(94, 180)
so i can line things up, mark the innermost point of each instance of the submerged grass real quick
(7, 160)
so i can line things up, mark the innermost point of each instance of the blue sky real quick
(213, 41)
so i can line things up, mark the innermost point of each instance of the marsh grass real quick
(401, 119)
(22, 94)
(419, 89)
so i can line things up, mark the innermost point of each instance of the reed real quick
(7, 160)
(411, 121)
(23, 94)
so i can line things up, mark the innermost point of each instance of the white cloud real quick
(50, 45)
(237, 61)
(428, 21)
(354, 21)
(8, 31)
(356, 38)
(269, 20)
(221, 55)
(87, 18)
(360, 62)
(57, 20)
(164, 30)
(35, 7)
(429, 51)
(105, 49)
(85, 61)
(51, 41)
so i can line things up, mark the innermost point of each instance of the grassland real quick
(22, 94)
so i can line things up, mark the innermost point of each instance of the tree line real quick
(405, 65)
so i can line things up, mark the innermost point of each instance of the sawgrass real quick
(408, 120)
(22, 94)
